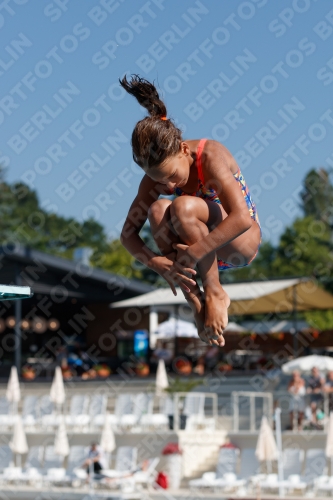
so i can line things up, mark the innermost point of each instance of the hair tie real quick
(163, 118)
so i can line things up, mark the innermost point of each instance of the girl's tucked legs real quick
(186, 212)
(164, 235)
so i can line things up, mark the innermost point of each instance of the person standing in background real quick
(296, 388)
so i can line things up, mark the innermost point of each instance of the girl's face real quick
(174, 172)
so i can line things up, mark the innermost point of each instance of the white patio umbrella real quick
(61, 446)
(13, 392)
(162, 381)
(57, 392)
(266, 449)
(306, 363)
(19, 443)
(108, 441)
(176, 328)
(329, 441)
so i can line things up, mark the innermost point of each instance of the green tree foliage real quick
(304, 250)
(119, 261)
(317, 195)
(321, 320)
(306, 246)
(25, 222)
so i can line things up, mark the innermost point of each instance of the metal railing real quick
(250, 409)
(178, 404)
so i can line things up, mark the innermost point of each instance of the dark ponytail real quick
(146, 94)
(154, 138)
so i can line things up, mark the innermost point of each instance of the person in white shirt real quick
(94, 460)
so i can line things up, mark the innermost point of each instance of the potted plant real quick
(224, 367)
(28, 372)
(182, 366)
(102, 370)
(173, 454)
(89, 374)
(142, 369)
(66, 372)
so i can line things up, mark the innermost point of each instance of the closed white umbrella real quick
(13, 392)
(162, 381)
(306, 363)
(19, 443)
(175, 328)
(61, 446)
(108, 442)
(329, 441)
(57, 393)
(266, 449)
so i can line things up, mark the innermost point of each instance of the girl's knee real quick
(157, 210)
(183, 207)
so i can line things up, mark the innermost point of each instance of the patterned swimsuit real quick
(211, 195)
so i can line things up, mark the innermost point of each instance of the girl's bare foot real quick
(196, 301)
(216, 314)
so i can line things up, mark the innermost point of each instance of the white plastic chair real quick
(292, 459)
(315, 465)
(32, 476)
(124, 411)
(51, 459)
(194, 409)
(76, 457)
(99, 421)
(46, 411)
(249, 469)
(78, 416)
(97, 409)
(56, 475)
(227, 463)
(11, 474)
(30, 411)
(35, 457)
(158, 421)
(249, 465)
(323, 484)
(126, 460)
(6, 419)
(229, 481)
(6, 457)
(154, 421)
(142, 405)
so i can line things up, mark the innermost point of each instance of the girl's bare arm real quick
(137, 215)
(171, 271)
(218, 175)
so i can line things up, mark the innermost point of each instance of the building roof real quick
(44, 272)
(281, 295)
(275, 326)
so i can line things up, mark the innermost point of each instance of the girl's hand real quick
(173, 273)
(183, 256)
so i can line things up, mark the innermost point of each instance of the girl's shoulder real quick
(216, 155)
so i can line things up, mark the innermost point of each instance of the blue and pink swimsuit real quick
(210, 194)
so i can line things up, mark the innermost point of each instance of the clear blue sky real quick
(256, 75)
